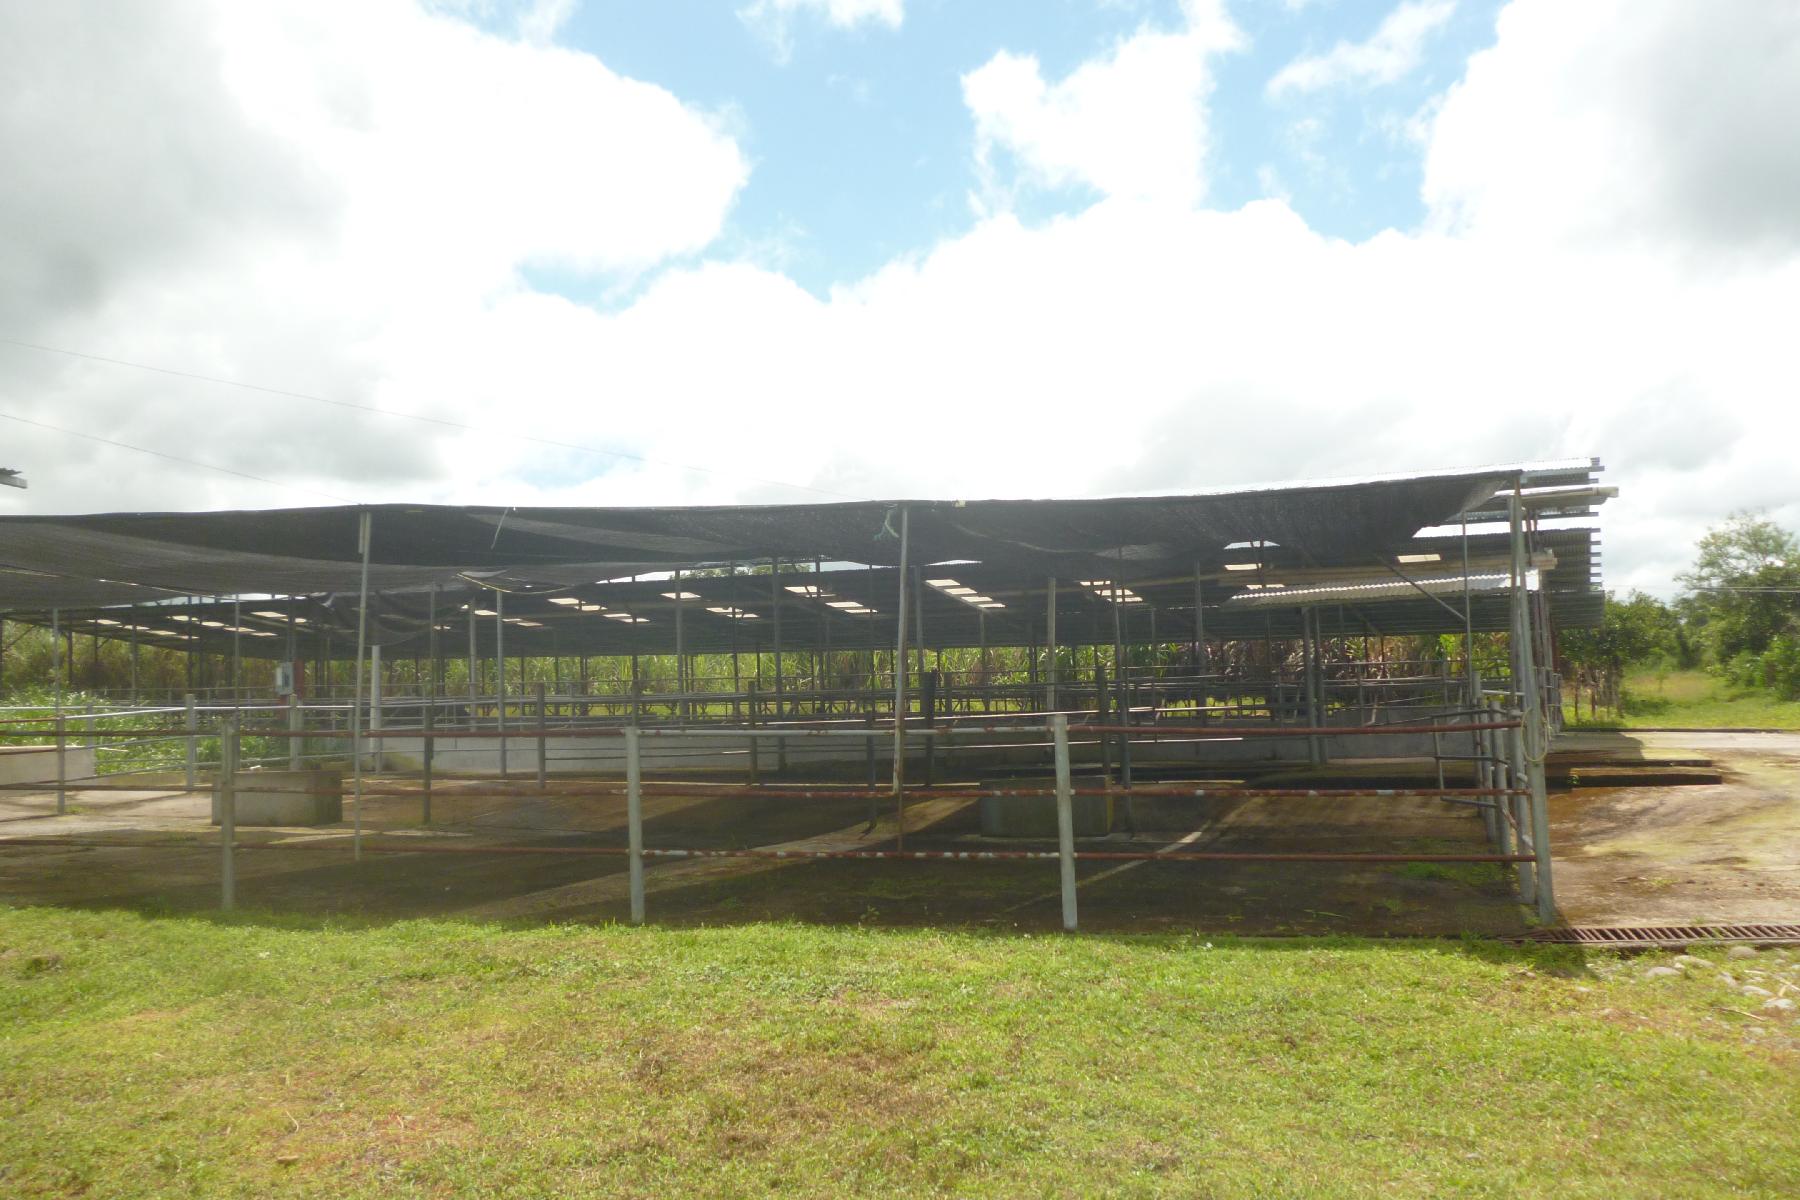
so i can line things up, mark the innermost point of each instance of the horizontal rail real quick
(1204, 731)
(909, 855)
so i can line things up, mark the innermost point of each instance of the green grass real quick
(1694, 700)
(259, 1057)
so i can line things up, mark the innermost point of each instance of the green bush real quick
(1777, 668)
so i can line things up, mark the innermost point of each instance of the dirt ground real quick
(1729, 852)
(1641, 855)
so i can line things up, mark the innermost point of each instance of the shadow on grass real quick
(1561, 961)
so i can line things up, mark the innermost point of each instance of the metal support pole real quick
(295, 747)
(1532, 736)
(428, 718)
(900, 681)
(1065, 819)
(474, 665)
(918, 583)
(1540, 839)
(775, 628)
(363, 538)
(377, 755)
(62, 738)
(1501, 764)
(1052, 674)
(1102, 710)
(500, 673)
(1520, 807)
(237, 653)
(192, 721)
(1200, 663)
(685, 709)
(634, 822)
(1309, 661)
(752, 702)
(543, 745)
(1484, 775)
(432, 649)
(228, 765)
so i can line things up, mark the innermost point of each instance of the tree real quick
(1744, 587)
(1634, 629)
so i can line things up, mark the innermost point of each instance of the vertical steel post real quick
(1532, 736)
(684, 709)
(228, 765)
(1520, 806)
(634, 822)
(1200, 663)
(1065, 819)
(364, 530)
(986, 661)
(428, 719)
(500, 673)
(432, 649)
(294, 725)
(543, 742)
(237, 652)
(1484, 777)
(900, 680)
(474, 665)
(1472, 689)
(918, 584)
(775, 629)
(1534, 729)
(1052, 673)
(377, 756)
(752, 703)
(62, 739)
(1500, 761)
(192, 721)
(1309, 662)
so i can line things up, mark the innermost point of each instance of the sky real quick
(624, 251)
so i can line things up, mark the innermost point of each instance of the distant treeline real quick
(1738, 614)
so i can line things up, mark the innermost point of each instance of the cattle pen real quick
(1071, 683)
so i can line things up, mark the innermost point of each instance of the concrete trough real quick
(1035, 816)
(286, 798)
(37, 764)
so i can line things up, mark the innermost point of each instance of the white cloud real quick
(1142, 344)
(275, 192)
(1391, 52)
(774, 19)
(1131, 123)
(1658, 122)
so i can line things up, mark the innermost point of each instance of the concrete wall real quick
(285, 798)
(37, 764)
(606, 756)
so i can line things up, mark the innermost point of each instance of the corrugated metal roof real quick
(1324, 535)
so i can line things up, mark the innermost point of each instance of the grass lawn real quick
(260, 1056)
(1694, 700)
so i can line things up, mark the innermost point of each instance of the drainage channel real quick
(1652, 937)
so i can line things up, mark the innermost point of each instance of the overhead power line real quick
(191, 462)
(445, 422)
